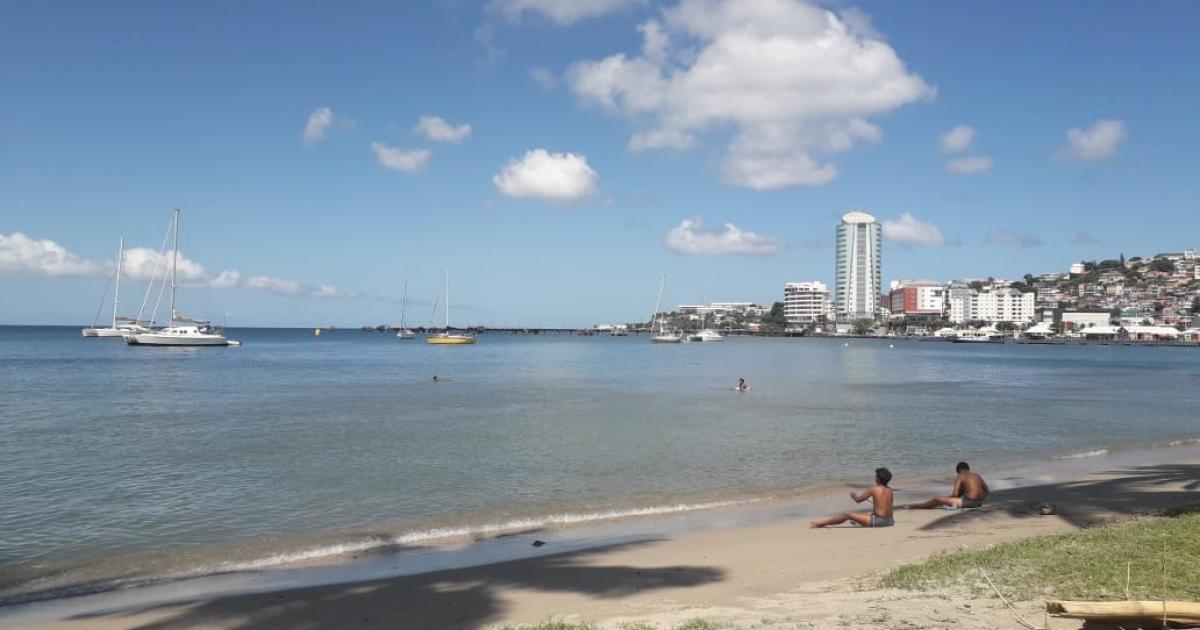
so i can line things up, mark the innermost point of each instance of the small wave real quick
(361, 545)
(445, 534)
(1183, 442)
(1096, 453)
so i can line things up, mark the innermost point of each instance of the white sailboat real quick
(181, 331)
(705, 334)
(661, 335)
(449, 338)
(404, 332)
(121, 326)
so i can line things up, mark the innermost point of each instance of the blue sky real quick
(112, 114)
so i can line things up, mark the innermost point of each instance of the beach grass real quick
(1149, 558)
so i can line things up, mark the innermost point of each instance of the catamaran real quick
(181, 331)
(661, 335)
(447, 337)
(121, 325)
(404, 332)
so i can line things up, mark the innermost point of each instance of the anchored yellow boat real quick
(448, 338)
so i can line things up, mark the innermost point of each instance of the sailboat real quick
(404, 332)
(121, 326)
(705, 334)
(447, 337)
(661, 335)
(181, 331)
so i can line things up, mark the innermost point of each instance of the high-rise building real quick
(859, 252)
(805, 303)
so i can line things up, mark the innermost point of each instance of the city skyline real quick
(560, 157)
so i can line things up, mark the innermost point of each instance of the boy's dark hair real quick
(883, 476)
(962, 467)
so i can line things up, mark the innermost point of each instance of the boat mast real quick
(174, 267)
(657, 303)
(447, 300)
(117, 291)
(404, 307)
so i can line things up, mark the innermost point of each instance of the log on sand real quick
(1175, 612)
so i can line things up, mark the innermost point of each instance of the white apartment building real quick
(806, 302)
(858, 254)
(992, 305)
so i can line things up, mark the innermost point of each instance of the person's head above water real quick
(962, 467)
(741, 380)
(883, 476)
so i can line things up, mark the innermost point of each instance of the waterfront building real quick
(806, 303)
(991, 304)
(858, 251)
(1077, 268)
(916, 298)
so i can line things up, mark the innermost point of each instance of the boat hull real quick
(159, 339)
(110, 332)
(665, 339)
(450, 341)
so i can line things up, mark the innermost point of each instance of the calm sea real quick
(120, 463)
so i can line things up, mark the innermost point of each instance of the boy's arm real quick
(863, 496)
(957, 490)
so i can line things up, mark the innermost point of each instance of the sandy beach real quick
(767, 573)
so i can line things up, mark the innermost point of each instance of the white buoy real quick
(845, 344)
(891, 345)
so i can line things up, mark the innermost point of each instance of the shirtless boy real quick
(881, 509)
(969, 492)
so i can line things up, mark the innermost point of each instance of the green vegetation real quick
(1086, 565)
(863, 326)
(1163, 264)
(774, 321)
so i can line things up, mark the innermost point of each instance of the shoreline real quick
(336, 556)
(766, 519)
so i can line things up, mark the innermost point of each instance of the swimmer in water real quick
(742, 386)
(435, 378)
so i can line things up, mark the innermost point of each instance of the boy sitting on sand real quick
(969, 491)
(881, 498)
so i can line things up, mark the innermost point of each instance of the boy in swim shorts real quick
(881, 505)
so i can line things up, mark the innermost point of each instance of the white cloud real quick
(438, 130)
(1094, 144)
(21, 255)
(661, 139)
(792, 79)
(957, 139)
(400, 159)
(562, 12)
(691, 237)
(559, 178)
(543, 77)
(972, 165)
(909, 230)
(319, 122)
(1010, 238)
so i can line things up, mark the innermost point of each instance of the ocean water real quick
(121, 464)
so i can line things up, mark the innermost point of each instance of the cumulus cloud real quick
(909, 230)
(543, 77)
(21, 255)
(1010, 238)
(400, 159)
(562, 12)
(973, 165)
(1099, 142)
(438, 130)
(795, 82)
(691, 237)
(319, 122)
(957, 139)
(558, 178)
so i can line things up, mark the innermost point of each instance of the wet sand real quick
(745, 573)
